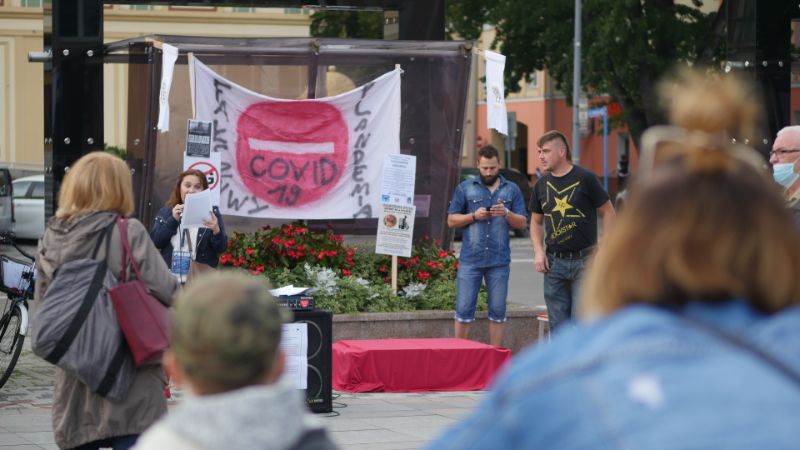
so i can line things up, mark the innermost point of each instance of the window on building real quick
(141, 7)
(31, 3)
(533, 80)
(293, 10)
(243, 9)
(623, 154)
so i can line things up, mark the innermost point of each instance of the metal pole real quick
(605, 148)
(576, 87)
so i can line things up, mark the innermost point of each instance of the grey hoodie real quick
(257, 417)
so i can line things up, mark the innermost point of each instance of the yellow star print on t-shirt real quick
(562, 205)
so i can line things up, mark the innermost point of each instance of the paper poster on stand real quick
(294, 343)
(399, 176)
(395, 230)
(200, 155)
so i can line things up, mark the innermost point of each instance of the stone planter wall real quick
(521, 328)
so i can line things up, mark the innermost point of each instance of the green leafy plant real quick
(347, 279)
(287, 247)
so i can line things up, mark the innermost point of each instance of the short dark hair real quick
(552, 135)
(488, 152)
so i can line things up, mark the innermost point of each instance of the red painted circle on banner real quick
(291, 153)
(211, 172)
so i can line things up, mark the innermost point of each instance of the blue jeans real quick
(468, 283)
(115, 443)
(561, 288)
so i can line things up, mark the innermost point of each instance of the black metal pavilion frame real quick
(434, 83)
(757, 35)
(73, 86)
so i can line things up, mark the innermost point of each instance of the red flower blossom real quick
(382, 269)
(442, 254)
(249, 251)
(346, 272)
(423, 275)
(433, 265)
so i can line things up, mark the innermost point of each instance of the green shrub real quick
(347, 279)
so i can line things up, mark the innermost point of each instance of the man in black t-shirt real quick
(564, 206)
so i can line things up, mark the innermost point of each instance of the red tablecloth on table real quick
(415, 365)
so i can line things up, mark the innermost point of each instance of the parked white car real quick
(29, 207)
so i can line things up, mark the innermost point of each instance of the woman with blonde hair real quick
(691, 332)
(96, 190)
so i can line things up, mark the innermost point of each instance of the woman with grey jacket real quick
(96, 190)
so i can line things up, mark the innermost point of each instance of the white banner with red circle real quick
(299, 159)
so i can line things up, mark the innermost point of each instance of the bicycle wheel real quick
(10, 343)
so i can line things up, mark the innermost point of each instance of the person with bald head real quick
(784, 159)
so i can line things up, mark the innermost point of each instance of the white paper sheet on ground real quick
(294, 343)
(196, 209)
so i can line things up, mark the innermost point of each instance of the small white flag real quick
(496, 116)
(168, 58)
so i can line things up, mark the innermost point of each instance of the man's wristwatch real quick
(474, 219)
(507, 211)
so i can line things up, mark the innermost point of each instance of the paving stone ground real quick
(381, 421)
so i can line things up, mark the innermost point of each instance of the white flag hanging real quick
(169, 56)
(496, 116)
(300, 159)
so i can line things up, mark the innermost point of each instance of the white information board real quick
(200, 154)
(399, 176)
(395, 230)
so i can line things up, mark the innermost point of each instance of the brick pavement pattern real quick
(384, 421)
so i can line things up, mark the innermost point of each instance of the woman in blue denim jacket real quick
(693, 333)
(196, 244)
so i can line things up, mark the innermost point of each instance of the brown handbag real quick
(195, 268)
(143, 319)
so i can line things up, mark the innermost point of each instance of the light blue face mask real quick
(784, 174)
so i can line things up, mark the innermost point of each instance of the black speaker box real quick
(320, 335)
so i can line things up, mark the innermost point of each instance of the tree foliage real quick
(347, 24)
(627, 45)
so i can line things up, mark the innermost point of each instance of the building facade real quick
(21, 82)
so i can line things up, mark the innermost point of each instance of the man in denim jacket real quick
(487, 207)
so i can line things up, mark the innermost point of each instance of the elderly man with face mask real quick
(784, 159)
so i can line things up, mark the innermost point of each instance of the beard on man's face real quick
(489, 180)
